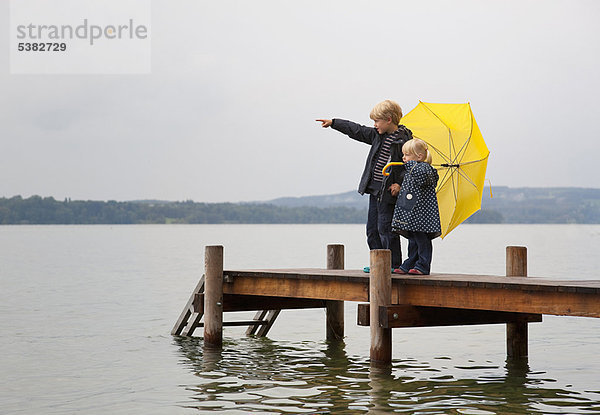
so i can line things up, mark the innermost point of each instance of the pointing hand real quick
(325, 123)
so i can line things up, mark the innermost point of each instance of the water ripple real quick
(259, 375)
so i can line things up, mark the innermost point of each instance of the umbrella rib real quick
(462, 164)
(466, 177)
(464, 147)
(450, 141)
(473, 161)
(454, 189)
(447, 174)
(451, 146)
(439, 152)
(460, 171)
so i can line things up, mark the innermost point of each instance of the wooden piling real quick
(335, 308)
(516, 333)
(213, 296)
(380, 294)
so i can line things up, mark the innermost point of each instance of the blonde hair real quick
(418, 148)
(387, 109)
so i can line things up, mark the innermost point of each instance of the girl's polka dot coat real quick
(417, 208)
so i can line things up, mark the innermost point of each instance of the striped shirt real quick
(383, 158)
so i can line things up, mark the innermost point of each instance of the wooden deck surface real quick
(483, 292)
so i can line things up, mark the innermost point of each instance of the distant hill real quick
(508, 205)
(350, 199)
(543, 205)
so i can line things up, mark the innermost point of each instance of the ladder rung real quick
(241, 323)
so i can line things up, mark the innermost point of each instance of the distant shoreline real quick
(507, 206)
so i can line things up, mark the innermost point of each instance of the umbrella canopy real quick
(459, 154)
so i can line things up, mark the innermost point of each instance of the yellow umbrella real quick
(459, 154)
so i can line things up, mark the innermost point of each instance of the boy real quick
(386, 139)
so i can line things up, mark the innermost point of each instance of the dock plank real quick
(484, 292)
(490, 281)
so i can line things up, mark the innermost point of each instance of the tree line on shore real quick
(47, 210)
(547, 206)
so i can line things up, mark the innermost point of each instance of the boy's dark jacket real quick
(369, 135)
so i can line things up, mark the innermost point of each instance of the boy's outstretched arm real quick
(353, 130)
(325, 123)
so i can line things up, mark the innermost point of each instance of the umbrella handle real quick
(393, 163)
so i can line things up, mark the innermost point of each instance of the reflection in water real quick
(263, 376)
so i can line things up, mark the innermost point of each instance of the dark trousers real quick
(420, 253)
(379, 229)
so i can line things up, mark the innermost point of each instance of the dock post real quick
(516, 333)
(335, 308)
(213, 296)
(380, 293)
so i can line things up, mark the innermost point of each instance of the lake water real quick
(86, 312)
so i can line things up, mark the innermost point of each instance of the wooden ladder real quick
(191, 316)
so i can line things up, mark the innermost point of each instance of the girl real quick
(416, 215)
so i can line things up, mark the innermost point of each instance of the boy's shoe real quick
(399, 271)
(368, 269)
(415, 271)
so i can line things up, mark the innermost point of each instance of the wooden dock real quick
(386, 300)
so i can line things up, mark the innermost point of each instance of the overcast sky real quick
(227, 113)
